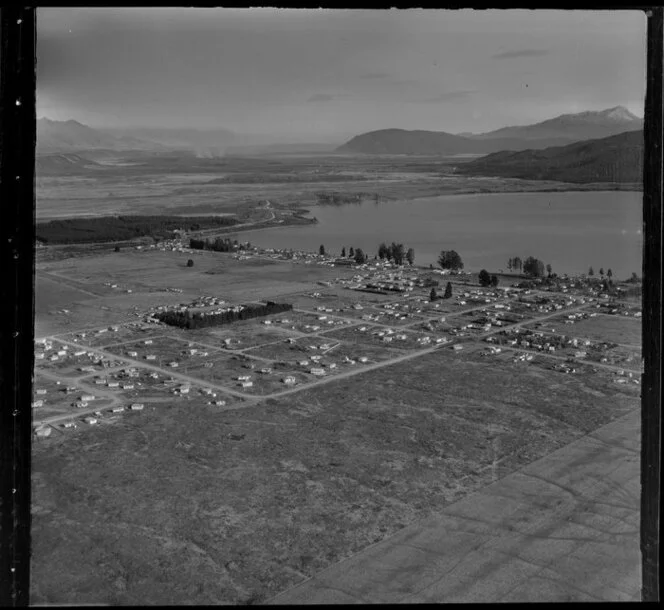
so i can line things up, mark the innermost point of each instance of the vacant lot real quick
(617, 329)
(235, 506)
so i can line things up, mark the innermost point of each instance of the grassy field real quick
(148, 275)
(617, 329)
(228, 185)
(235, 506)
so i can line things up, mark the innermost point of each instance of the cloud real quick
(374, 75)
(325, 97)
(449, 96)
(520, 53)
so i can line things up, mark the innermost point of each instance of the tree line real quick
(122, 228)
(219, 244)
(189, 320)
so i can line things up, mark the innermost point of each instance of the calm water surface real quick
(571, 231)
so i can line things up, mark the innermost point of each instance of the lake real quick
(570, 230)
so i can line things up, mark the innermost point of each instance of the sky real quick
(316, 74)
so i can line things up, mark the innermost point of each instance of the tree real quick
(484, 278)
(605, 285)
(601, 271)
(494, 280)
(517, 263)
(321, 250)
(450, 259)
(190, 263)
(359, 256)
(117, 248)
(351, 252)
(343, 252)
(533, 266)
(609, 274)
(433, 295)
(591, 272)
(448, 290)
(548, 269)
(382, 251)
(410, 256)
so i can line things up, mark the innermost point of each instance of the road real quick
(350, 372)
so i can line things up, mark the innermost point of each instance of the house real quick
(41, 392)
(457, 347)
(37, 403)
(317, 371)
(117, 409)
(113, 384)
(290, 380)
(137, 406)
(90, 420)
(247, 384)
(87, 397)
(43, 431)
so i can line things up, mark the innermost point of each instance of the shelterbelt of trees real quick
(219, 244)
(121, 228)
(190, 320)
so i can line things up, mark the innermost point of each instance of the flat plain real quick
(217, 493)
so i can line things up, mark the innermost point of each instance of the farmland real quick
(223, 469)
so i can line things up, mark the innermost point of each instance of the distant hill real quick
(573, 127)
(72, 136)
(403, 142)
(617, 158)
(559, 131)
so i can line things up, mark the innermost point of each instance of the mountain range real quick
(74, 137)
(561, 130)
(618, 158)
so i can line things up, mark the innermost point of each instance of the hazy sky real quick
(325, 73)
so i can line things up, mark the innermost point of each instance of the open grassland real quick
(617, 329)
(234, 185)
(188, 501)
(187, 504)
(82, 285)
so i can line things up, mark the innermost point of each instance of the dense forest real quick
(121, 228)
(189, 320)
(219, 244)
